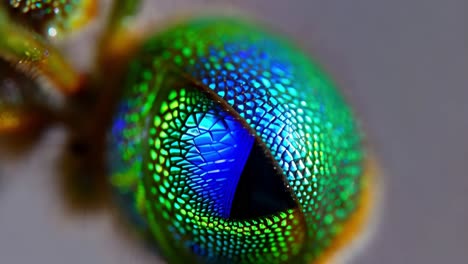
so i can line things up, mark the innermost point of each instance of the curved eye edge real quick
(320, 170)
(153, 192)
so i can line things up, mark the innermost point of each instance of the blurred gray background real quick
(404, 66)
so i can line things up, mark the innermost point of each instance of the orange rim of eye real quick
(355, 228)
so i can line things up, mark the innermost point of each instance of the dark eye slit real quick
(261, 190)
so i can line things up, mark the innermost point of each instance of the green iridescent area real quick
(196, 96)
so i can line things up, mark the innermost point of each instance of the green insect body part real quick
(230, 145)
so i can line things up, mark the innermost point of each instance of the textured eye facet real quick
(232, 146)
(53, 16)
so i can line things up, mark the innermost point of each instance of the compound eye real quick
(53, 17)
(231, 146)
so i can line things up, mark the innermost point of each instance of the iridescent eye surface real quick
(53, 16)
(231, 146)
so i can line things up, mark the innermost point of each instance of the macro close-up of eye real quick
(226, 132)
(232, 146)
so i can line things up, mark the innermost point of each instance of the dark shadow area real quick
(82, 176)
(261, 190)
(22, 112)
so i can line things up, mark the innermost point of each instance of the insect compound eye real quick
(231, 146)
(54, 16)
